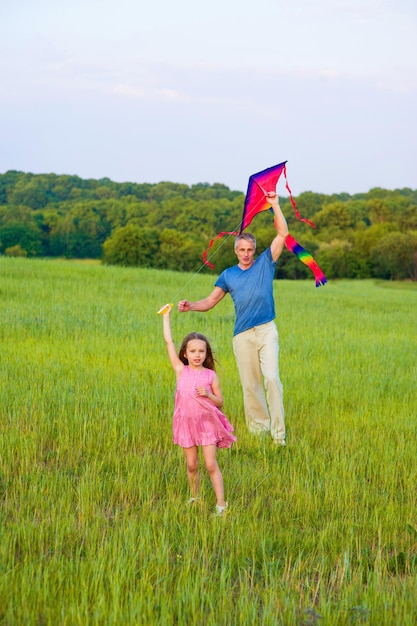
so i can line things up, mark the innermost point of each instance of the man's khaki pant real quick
(256, 351)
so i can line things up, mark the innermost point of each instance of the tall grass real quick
(94, 523)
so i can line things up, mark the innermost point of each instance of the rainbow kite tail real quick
(306, 258)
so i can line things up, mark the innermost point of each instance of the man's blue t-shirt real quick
(251, 291)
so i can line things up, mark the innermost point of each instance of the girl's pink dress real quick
(197, 421)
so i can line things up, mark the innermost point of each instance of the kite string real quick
(179, 292)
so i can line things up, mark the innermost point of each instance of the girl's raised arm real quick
(176, 363)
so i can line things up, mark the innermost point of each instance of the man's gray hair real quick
(247, 237)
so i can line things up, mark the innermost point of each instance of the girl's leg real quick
(209, 454)
(191, 457)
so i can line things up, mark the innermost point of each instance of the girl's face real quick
(196, 352)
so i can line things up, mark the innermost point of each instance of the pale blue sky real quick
(211, 92)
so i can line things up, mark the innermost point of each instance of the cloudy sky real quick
(194, 92)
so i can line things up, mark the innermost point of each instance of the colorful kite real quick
(256, 202)
(258, 186)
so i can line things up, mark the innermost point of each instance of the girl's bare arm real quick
(172, 353)
(216, 397)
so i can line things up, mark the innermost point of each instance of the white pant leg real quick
(267, 342)
(246, 353)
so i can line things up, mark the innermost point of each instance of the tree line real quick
(168, 225)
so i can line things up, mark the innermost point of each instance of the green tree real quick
(15, 251)
(132, 246)
(358, 212)
(402, 211)
(333, 217)
(80, 232)
(334, 259)
(395, 256)
(30, 192)
(308, 205)
(27, 236)
(178, 252)
(378, 211)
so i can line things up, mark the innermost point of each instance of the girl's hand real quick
(202, 391)
(166, 309)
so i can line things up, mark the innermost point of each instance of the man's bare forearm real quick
(202, 305)
(281, 225)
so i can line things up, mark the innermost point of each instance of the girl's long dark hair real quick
(209, 360)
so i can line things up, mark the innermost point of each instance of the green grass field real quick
(94, 524)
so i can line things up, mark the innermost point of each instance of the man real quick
(255, 340)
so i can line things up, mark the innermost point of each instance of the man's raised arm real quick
(280, 224)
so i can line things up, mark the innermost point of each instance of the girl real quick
(198, 420)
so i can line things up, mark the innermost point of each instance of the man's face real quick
(245, 251)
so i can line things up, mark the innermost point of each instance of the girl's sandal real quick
(220, 510)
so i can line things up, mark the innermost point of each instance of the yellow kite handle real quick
(165, 308)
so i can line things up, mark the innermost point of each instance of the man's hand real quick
(272, 197)
(184, 306)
